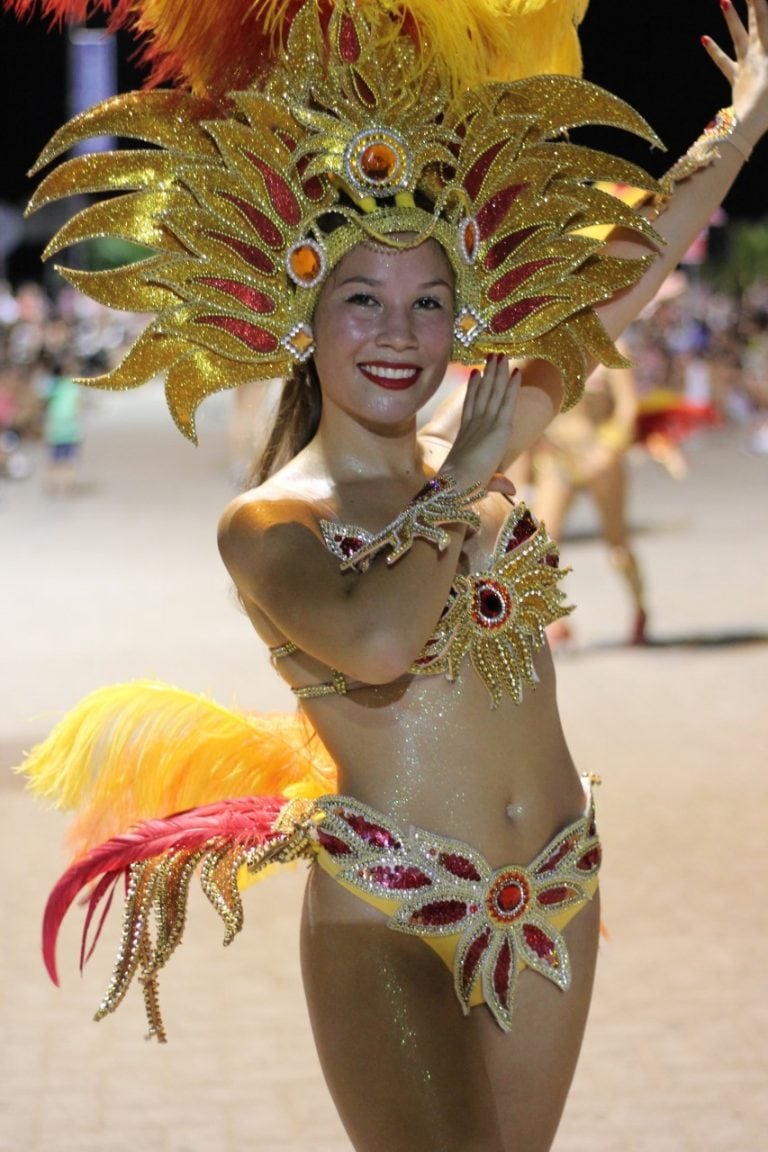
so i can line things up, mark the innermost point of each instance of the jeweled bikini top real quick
(496, 616)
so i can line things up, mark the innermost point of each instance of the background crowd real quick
(704, 346)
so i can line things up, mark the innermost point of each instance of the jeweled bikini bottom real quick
(487, 924)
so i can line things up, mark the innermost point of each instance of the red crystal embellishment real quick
(397, 876)
(501, 972)
(557, 895)
(332, 844)
(439, 913)
(472, 958)
(458, 866)
(259, 339)
(556, 855)
(371, 833)
(523, 530)
(541, 944)
(508, 897)
(591, 859)
(492, 604)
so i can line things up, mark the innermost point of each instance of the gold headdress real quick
(352, 123)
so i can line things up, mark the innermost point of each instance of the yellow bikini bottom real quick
(487, 924)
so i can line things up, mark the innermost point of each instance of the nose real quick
(396, 330)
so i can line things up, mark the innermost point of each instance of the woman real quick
(584, 450)
(382, 565)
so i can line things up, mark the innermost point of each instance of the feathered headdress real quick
(310, 127)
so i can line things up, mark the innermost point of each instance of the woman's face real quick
(383, 331)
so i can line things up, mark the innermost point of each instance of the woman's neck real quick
(347, 451)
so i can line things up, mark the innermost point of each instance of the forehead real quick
(427, 263)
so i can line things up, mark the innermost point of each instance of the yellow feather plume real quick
(218, 46)
(134, 751)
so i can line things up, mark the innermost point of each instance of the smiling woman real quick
(358, 212)
(385, 316)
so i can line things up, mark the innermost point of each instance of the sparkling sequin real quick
(498, 616)
(433, 886)
(351, 112)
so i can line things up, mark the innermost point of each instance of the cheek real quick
(437, 335)
(336, 331)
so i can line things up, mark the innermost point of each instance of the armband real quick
(724, 129)
(437, 503)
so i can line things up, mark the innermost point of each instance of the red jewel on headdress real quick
(259, 339)
(494, 211)
(248, 296)
(503, 287)
(515, 313)
(498, 252)
(469, 239)
(260, 223)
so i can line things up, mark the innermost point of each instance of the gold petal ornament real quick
(353, 124)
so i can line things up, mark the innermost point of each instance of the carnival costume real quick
(297, 131)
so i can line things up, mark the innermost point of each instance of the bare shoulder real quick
(263, 532)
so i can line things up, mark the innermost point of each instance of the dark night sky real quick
(650, 54)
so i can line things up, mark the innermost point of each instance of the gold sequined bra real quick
(496, 617)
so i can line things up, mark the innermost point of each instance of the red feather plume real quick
(247, 822)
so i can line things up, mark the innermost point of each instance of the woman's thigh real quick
(408, 1072)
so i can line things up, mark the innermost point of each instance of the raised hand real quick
(487, 420)
(747, 70)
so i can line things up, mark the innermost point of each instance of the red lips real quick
(395, 377)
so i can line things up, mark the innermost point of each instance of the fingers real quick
(758, 20)
(494, 388)
(722, 61)
(738, 32)
(489, 390)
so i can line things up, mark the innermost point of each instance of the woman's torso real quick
(436, 753)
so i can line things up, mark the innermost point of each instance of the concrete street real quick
(122, 580)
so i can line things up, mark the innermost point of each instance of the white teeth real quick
(389, 373)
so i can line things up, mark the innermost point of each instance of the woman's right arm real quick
(370, 625)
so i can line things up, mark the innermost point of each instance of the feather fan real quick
(216, 46)
(140, 750)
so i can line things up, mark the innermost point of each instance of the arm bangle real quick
(724, 129)
(436, 504)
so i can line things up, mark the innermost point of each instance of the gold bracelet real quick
(724, 129)
(436, 504)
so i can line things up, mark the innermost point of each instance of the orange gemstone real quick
(302, 340)
(378, 162)
(470, 238)
(305, 263)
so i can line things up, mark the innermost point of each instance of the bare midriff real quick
(435, 754)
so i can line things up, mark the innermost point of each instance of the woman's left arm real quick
(688, 211)
(695, 198)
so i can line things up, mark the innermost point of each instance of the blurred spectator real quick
(62, 427)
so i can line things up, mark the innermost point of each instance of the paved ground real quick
(123, 580)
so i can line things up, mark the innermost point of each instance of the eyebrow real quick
(373, 283)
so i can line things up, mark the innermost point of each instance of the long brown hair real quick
(295, 423)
